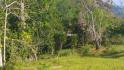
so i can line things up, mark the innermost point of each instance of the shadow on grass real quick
(114, 55)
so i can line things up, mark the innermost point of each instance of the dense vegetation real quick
(45, 29)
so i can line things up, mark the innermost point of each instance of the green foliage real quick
(74, 41)
(115, 49)
(46, 29)
(85, 50)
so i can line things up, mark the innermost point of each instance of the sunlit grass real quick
(74, 63)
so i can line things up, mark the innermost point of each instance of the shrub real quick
(115, 49)
(85, 50)
(65, 52)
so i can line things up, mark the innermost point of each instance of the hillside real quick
(65, 34)
(118, 11)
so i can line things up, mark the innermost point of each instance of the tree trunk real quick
(97, 44)
(94, 34)
(1, 63)
(4, 45)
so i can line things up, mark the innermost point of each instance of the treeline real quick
(37, 27)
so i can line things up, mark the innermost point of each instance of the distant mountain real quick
(118, 10)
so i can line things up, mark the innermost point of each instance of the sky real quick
(119, 2)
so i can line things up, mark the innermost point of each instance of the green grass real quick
(74, 63)
(0, 68)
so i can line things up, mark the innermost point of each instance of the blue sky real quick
(119, 2)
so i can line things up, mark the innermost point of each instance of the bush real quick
(9, 66)
(115, 49)
(0, 68)
(85, 50)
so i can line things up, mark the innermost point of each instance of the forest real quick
(61, 35)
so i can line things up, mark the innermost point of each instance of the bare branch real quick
(7, 6)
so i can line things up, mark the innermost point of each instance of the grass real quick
(74, 63)
(0, 68)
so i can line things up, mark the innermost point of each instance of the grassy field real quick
(114, 60)
(74, 63)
